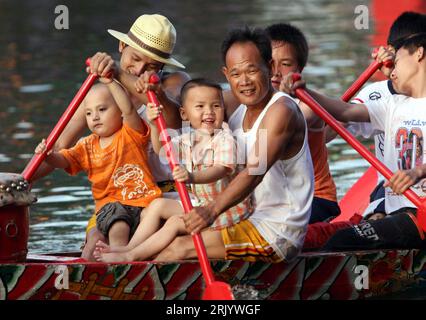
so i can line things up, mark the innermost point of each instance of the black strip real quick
(391, 88)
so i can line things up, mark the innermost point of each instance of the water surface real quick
(41, 69)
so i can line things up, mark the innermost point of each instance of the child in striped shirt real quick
(209, 156)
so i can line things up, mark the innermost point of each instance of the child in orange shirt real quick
(114, 158)
(209, 157)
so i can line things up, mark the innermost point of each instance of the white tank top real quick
(284, 196)
(159, 169)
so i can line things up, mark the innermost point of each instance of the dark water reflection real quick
(41, 68)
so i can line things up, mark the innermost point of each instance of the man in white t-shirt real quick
(378, 91)
(402, 118)
(405, 24)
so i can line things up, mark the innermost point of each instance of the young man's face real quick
(203, 108)
(248, 75)
(283, 61)
(406, 67)
(134, 62)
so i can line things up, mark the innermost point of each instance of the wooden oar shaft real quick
(344, 133)
(183, 192)
(59, 127)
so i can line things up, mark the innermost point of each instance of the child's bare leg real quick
(118, 234)
(173, 227)
(93, 236)
(159, 209)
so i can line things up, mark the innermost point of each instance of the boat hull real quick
(343, 276)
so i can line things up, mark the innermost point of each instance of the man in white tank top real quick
(278, 173)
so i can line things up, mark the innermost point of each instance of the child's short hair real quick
(198, 82)
(287, 33)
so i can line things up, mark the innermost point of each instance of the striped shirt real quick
(218, 150)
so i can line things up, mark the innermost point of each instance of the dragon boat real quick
(312, 275)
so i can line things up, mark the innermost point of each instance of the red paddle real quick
(371, 69)
(215, 290)
(60, 126)
(344, 133)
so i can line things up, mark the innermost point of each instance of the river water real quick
(41, 68)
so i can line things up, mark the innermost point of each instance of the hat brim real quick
(125, 38)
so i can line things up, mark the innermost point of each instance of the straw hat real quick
(153, 35)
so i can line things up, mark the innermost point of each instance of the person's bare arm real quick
(72, 132)
(152, 113)
(168, 91)
(281, 124)
(342, 111)
(130, 115)
(209, 175)
(330, 134)
(279, 135)
(311, 117)
(404, 179)
(53, 158)
(57, 160)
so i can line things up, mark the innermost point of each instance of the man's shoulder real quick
(283, 111)
(285, 103)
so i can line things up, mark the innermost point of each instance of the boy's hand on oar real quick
(42, 148)
(102, 65)
(153, 111)
(180, 174)
(143, 84)
(289, 86)
(403, 179)
(383, 54)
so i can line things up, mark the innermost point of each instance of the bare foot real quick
(113, 257)
(105, 248)
(97, 255)
(102, 246)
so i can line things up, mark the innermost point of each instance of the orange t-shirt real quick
(119, 172)
(324, 184)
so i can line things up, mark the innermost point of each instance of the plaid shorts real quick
(115, 211)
